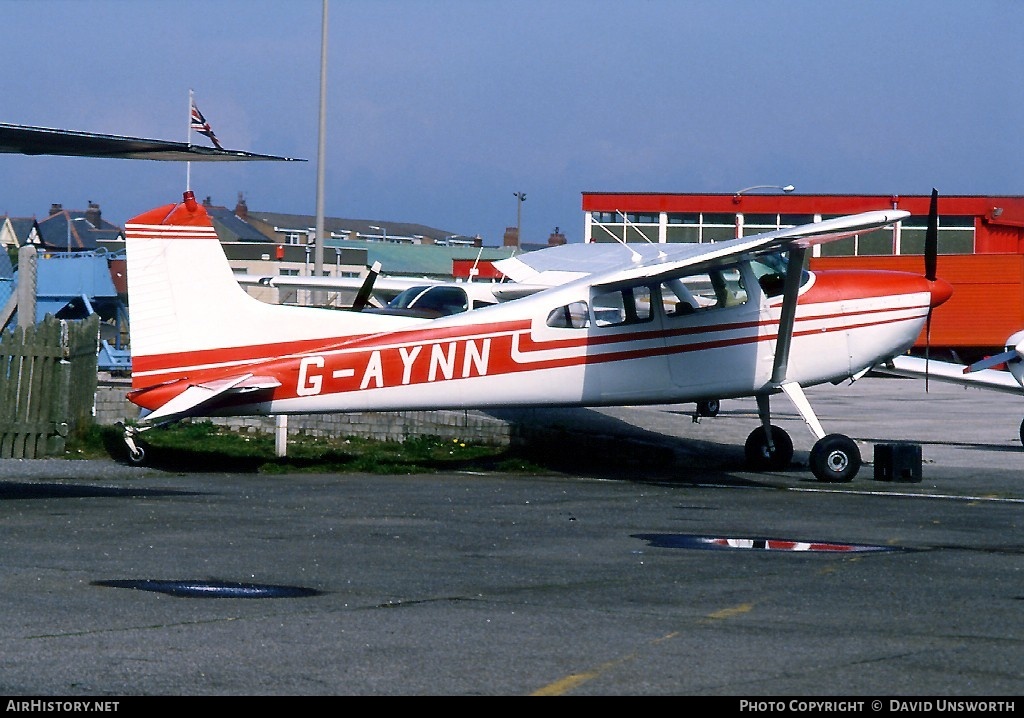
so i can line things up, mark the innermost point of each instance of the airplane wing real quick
(384, 287)
(950, 373)
(27, 140)
(387, 288)
(623, 262)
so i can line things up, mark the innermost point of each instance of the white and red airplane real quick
(622, 325)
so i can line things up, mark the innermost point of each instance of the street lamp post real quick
(737, 195)
(520, 197)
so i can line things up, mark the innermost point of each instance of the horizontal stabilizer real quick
(199, 396)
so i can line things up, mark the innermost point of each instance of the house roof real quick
(74, 230)
(231, 228)
(367, 228)
(22, 228)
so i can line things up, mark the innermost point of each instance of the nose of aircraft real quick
(941, 290)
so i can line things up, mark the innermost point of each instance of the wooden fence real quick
(47, 385)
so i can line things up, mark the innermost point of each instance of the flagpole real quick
(188, 141)
(318, 246)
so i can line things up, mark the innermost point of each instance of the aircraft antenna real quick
(473, 271)
(188, 141)
(625, 223)
(621, 240)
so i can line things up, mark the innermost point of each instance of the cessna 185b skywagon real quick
(621, 325)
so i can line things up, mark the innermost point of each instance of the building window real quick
(878, 242)
(682, 227)
(759, 223)
(717, 227)
(955, 236)
(291, 237)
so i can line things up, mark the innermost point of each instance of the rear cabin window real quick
(630, 305)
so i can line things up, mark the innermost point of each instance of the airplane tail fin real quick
(187, 309)
(177, 273)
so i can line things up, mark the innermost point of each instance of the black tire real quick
(835, 459)
(709, 407)
(760, 458)
(1022, 431)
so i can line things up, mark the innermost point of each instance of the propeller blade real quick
(931, 238)
(989, 362)
(927, 347)
(363, 296)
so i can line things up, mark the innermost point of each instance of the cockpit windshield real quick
(436, 300)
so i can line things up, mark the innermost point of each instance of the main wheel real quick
(709, 407)
(1022, 431)
(760, 457)
(835, 459)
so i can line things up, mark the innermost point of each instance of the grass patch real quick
(205, 446)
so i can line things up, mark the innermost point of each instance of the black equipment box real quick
(900, 461)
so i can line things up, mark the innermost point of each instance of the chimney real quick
(55, 209)
(92, 215)
(556, 238)
(511, 237)
(207, 202)
(241, 209)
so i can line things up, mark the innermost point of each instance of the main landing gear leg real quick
(834, 458)
(768, 447)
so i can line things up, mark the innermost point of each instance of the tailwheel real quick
(761, 456)
(136, 453)
(835, 459)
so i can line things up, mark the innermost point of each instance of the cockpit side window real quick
(572, 316)
(770, 270)
(716, 287)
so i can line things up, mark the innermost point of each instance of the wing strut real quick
(787, 318)
(796, 395)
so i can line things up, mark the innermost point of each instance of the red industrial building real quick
(980, 240)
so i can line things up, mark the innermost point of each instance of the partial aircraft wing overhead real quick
(387, 288)
(26, 140)
(950, 373)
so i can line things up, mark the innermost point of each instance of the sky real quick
(438, 112)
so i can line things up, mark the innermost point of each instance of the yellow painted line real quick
(731, 612)
(564, 685)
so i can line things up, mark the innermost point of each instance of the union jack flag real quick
(200, 125)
